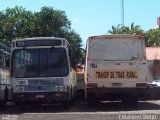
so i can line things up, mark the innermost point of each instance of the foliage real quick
(18, 23)
(15, 23)
(153, 37)
(126, 30)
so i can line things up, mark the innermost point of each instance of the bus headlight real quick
(65, 88)
(58, 88)
(61, 88)
(19, 89)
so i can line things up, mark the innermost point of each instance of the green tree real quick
(153, 37)
(133, 29)
(18, 23)
(116, 30)
(75, 40)
(15, 23)
(51, 22)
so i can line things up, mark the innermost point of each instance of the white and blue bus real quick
(43, 70)
(4, 74)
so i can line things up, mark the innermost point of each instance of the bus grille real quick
(43, 85)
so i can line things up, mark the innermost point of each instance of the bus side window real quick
(72, 58)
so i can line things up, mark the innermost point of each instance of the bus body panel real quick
(44, 86)
(115, 66)
(107, 73)
(5, 83)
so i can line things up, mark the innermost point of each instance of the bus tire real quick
(22, 106)
(72, 97)
(91, 100)
(72, 101)
(3, 103)
(131, 102)
(65, 104)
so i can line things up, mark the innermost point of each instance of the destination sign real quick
(33, 43)
(116, 74)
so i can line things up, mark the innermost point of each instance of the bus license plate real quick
(40, 96)
(116, 84)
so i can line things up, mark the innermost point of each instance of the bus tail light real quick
(91, 85)
(116, 84)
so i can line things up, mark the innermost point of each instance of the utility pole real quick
(158, 22)
(122, 13)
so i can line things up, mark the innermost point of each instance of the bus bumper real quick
(41, 97)
(117, 93)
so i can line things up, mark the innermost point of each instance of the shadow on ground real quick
(82, 107)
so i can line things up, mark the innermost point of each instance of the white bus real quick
(4, 74)
(115, 69)
(43, 70)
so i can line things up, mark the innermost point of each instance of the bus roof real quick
(117, 36)
(40, 38)
(37, 41)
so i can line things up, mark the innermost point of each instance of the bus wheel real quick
(72, 99)
(22, 106)
(131, 102)
(91, 100)
(3, 103)
(65, 104)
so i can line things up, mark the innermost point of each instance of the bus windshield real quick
(44, 62)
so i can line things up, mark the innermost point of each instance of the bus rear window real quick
(116, 49)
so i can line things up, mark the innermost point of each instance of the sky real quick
(96, 17)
